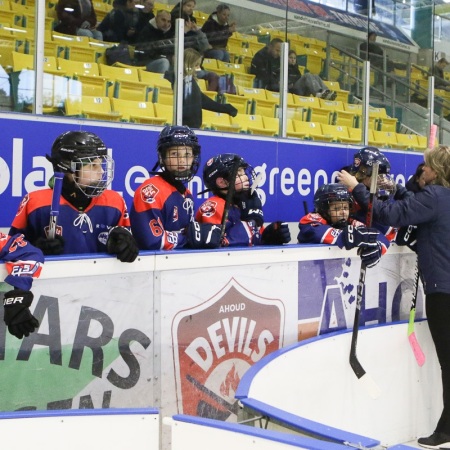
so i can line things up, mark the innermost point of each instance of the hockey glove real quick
(121, 243)
(50, 246)
(370, 256)
(401, 193)
(407, 236)
(361, 236)
(251, 209)
(277, 233)
(17, 315)
(203, 235)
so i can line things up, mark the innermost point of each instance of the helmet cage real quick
(328, 194)
(92, 181)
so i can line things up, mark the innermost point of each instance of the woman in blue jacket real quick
(429, 209)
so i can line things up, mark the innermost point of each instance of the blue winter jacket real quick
(429, 209)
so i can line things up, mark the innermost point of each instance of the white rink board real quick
(112, 430)
(316, 382)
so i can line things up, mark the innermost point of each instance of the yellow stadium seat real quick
(135, 111)
(406, 141)
(211, 65)
(271, 125)
(249, 123)
(311, 130)
(91, 107)
(422, 143)
(241, 103)
(126, 83)
(204, 88)
(164, 111)
(386, 139)
(341, 95)
(218, 121)
(339, 134)
(163, 92)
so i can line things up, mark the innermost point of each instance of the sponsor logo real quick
(208, 209)
(216, 342)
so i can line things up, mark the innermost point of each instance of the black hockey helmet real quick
(173, 136)
(328, 194)
(364, 159)
(221, 166)
(74, 149)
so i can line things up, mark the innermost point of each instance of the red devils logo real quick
(208, 209)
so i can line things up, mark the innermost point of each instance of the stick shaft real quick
(229, 196)
(54, 210)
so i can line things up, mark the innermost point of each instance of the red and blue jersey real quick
(160, 214)
(23, 261)
(237, 232)
(83, 231)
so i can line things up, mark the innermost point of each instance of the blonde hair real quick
(438, 159)
(192, 59)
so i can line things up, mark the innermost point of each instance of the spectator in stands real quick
(194, 100)
(438, 71)
(307, 84)
(146, 13)
(193, 35)
(218, 29)
(153, 47)
(120, 24)
(77, 18)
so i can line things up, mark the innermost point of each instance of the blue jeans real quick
(217, 53)
(160, 65)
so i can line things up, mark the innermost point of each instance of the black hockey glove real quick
(251, 209)
(277, 233)
(121, 243)
(50, 246)
(402, 193)
(407, 236)
(17, 315)
(370, 256)
(203, 235)
(359, 237)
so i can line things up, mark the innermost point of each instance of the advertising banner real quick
(292, 170)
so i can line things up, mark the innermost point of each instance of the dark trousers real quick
(438, 314)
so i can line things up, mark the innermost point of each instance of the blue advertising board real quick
(292, 169)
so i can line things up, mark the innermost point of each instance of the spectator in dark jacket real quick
(193, 35)
(146, 13)
(429, 209)
(438, 71)
(266, 65)
(194, 100)
(218, 29)
(120, 24)
(153, 47)
(77, 18)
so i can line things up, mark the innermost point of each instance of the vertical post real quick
(282, 111)
(179, 73)
(366, 98)
(430, 106)
(39, 36)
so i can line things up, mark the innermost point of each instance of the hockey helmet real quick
(73, 150)
(328, 194)
(221, 166)
(173, 136)
(364, 160)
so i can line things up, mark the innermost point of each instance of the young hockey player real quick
(23, 263)
(91, 219)
(244, 224)
(162, 215)
(331, 224)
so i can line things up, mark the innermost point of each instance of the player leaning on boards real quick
(429, 209)
(91, 219)
(331, 224)
(162, 215)
(23, 263)
(236, 206)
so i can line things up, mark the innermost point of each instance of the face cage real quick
(325, 212)
(251, 175)
(386, 186)
(186, 175)
(96, 185)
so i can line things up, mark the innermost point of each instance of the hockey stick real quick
(54, 210)
(418, 353)
(372, 388)
(256, 182)
(229, 196)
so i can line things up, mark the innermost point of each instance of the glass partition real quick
(102, 77)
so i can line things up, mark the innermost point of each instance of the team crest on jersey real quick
(175, 214)
(208, 209)
(22, 204)
(149, 193)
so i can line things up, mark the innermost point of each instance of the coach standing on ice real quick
(429, 209)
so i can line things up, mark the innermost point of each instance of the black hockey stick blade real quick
(368, 382)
